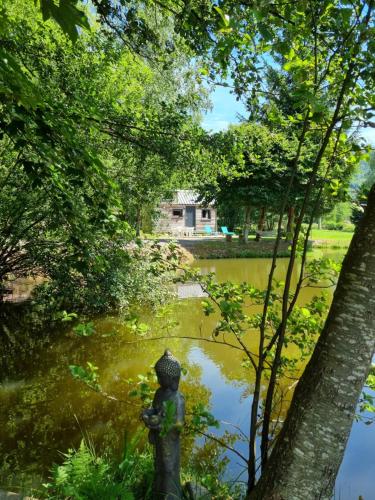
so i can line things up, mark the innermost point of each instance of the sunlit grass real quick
(326, 234)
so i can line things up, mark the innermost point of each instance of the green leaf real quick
(66, 14)
(305, 312)
(224, 17)
(84, 329)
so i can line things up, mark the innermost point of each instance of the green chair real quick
(208, 230)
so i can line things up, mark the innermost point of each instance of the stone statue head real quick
(168, 371)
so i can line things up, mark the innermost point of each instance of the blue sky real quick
(226, 110)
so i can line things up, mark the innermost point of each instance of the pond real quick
(44, 411)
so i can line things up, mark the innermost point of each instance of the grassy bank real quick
(222, 249)
(324, 238)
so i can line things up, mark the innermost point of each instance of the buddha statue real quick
(165, 420)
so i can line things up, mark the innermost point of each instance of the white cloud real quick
(213, 124)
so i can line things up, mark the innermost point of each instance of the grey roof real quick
(186, 197)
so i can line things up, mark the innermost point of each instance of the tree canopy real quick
(92, 135)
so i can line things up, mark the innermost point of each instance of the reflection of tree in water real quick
(44, 411)
(254, 271)
(230, 361)
(193, 322)
(22, 330)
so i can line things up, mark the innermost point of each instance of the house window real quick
(177, 212)
(206, 214)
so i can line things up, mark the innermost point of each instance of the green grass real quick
(221, 249)
(325, 234)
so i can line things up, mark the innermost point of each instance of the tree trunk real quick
(246, 226)
(262, 216)
(290, 224)
(138, 222)
(309, 450)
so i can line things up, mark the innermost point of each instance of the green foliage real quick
(118, 276)
(169, 415)
(88, 376)
(84, 159)
(252, 163)
(66, 14)
(55, 197)
(85, 475)
(65, 316)
(138, 328)
(238, 306)
(364, 181)
(143, 388)
(366, 404)
(84, 329)
(339, 218)
(323, 272)
(201, 418)
(304, 325)
(207, 467)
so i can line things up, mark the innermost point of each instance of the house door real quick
(190, 217)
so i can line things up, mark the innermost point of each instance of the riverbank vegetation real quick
(101, 109)
(220, 248)
(86, 475)
(93, 135)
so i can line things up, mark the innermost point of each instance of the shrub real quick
(334, 226)
(85, 476)
(348, 227)
(123, 276)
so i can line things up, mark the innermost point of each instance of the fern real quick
(84, 476)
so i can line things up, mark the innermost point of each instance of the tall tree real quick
(311, 445)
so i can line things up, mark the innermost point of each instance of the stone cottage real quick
(184, 215)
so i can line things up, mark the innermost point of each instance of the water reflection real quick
(44, 411)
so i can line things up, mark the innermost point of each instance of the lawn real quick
(325, 234)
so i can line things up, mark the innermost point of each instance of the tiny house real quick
(184, 214)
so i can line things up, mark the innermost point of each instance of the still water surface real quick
(44, 411)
